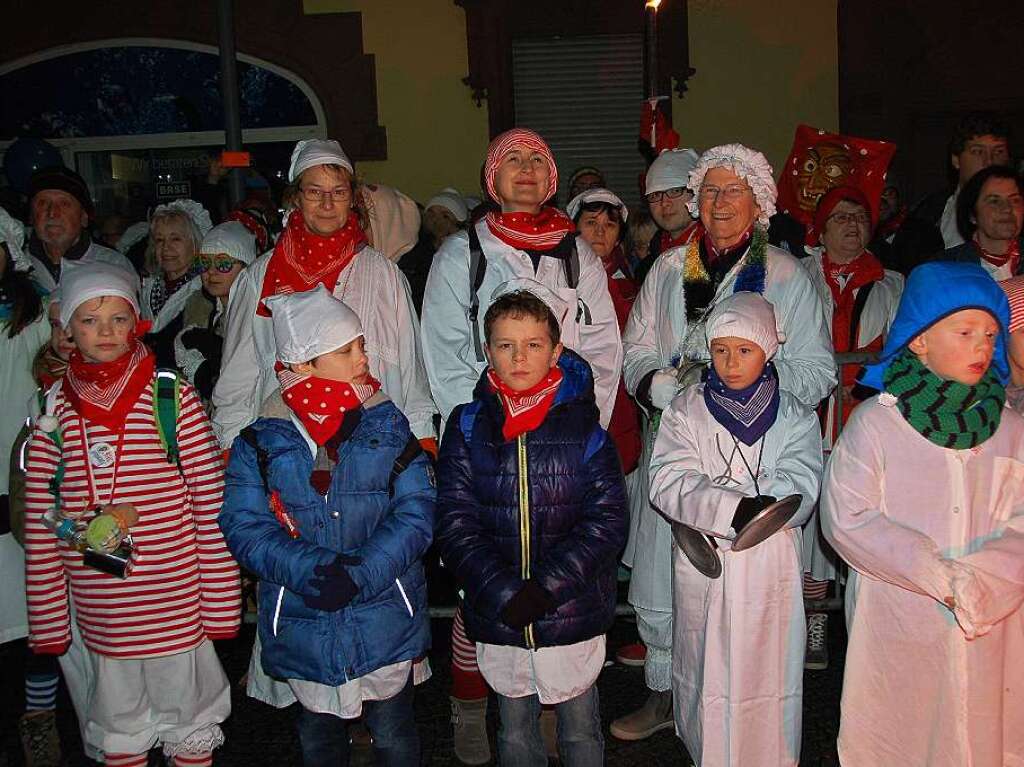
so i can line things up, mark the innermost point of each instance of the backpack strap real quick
(467, 418)
(477, 270)
(572, 280)
(409, 453)
(858, 310)
(167, 404)
(262, 459)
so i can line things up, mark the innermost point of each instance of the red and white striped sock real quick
(814, 590)
(126, 760)
(467, 681)
(201, 759)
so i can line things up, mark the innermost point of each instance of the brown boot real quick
(469, 726)
(38, 730)
(654, 715)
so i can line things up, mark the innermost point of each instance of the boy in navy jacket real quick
(532, 515)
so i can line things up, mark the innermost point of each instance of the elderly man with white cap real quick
(665, 349)
(323, 243)
(666, 189)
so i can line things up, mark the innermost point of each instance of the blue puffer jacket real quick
(576, 521)
(388, 620)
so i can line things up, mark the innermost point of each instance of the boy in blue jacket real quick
(330, 502)
(532, 515)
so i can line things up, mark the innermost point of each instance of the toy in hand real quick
(108, 528)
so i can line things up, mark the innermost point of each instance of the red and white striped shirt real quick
(184, 586)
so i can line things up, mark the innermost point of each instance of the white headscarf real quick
(597, 194)
(231, 238)
(748, 164)
(451, 200)
(749, 316)
(311, 323)
(670, 170)
(81, 282)
(197, 215)
(309, 153)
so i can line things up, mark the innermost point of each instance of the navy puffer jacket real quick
(569, 539)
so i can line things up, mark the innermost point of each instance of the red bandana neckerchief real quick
(320, 403)
(302, 259)
(526, 231)
(105, 392)
(667, 241)
(525, 410)
(1012, 255)
(864, 269)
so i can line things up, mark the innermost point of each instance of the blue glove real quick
(335, 585)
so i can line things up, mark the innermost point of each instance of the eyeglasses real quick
(673, 194)
(731, 192)
(315, 194)
(222, 262)
(844, 218)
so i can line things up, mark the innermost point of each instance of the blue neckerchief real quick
(746, 413)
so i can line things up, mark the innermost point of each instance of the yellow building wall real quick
(762, 68)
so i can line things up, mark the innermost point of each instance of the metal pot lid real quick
(768, 521)
(698, 549)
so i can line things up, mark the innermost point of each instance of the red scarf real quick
(668, 241)
(1012, 255)
(525, 410)
(302, 259)
(864, 269)
(105, 392)
(526, 231)
(320, 403)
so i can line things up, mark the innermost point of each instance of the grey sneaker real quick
(654, 715)
(38, 730)
(816, 658)
(469, 726)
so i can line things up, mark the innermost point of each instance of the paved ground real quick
(259, 735)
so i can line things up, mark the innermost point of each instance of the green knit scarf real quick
(948, 413)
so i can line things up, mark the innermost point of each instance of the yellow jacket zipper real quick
(524, 523)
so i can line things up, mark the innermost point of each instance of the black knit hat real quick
(59, 177)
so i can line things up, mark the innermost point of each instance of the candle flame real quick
(653, 4)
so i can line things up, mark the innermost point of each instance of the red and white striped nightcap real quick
(506, 142)
(1014, 289)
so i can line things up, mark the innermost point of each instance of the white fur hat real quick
(671, 169)
(311, 323)
(81, 282)
(309, 153)
(231, 238)
(596, 194)
(749, 316)
(451, 200)
(748, 164)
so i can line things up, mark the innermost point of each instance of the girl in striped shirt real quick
(147, 635)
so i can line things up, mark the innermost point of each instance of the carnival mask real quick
(819, 169)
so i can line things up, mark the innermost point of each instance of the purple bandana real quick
(746, 413)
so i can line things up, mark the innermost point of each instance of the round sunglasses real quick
(222, 262)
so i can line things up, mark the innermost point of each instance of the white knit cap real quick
(231, 238)
(451, 200)
(84, 281)
(558, 307)
(748, 316)
(309, 324)
(197, 214)
(597, 194)
(311, 152)
(671, 169)
(748, 164)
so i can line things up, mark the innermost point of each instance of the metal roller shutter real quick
(583, 95)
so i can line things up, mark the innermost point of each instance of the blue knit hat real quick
(934, 291)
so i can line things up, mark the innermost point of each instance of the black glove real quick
(748, 508)
(335, 585)
(527, 605)
(206, 342)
